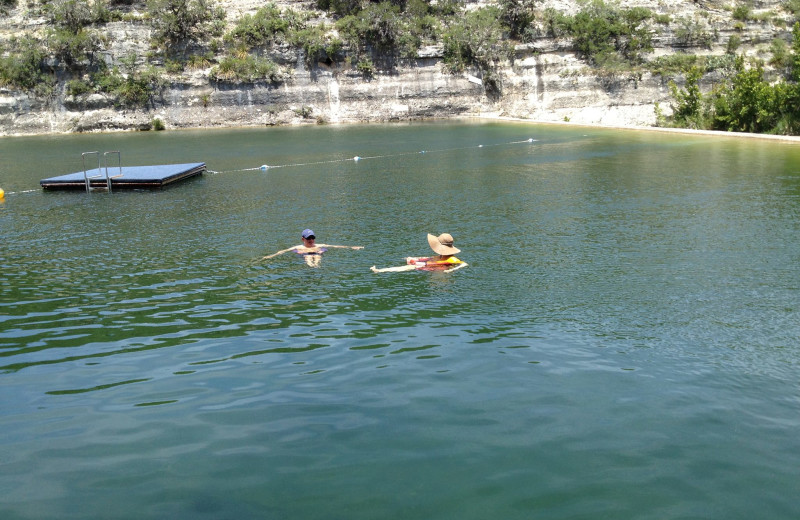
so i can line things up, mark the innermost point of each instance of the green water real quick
(624, 344)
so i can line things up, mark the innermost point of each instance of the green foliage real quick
(384, 28)
(74, 49)
(177, 22)
(264, 27)
(602, 30)
(366, 68)
(748, 104)
(673, 64)
(556, 24)
(793, 6)
(158, 125)
(688, 111)
(317, 43)
(73, 15)
(780, 53)
(473, 40)
(692, 32)
(382, 24)
(133, 87)
(743, 11)
(78, 87)
(517, 15)
(746, 101)
(246, 68)
(795, 60)
(340, 7)
(734, 42)
(25, 66)
(603, 33)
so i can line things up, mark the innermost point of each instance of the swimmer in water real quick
(310, 250)
(443, 261)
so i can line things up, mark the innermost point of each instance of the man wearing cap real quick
(309, 249)
(444, 261)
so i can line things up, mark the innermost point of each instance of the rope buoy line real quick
(265, 167)
(19, 192)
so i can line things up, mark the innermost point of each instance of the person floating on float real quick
(443, 261)
(309, 249)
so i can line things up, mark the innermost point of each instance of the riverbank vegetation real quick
(72, 53)
(745, 100)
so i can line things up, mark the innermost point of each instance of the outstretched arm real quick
(397, 269)
(341, 247)
(279, 253)
(457, 267)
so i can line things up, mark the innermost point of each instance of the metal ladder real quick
(101, 170)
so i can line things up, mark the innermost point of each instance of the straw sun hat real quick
(443, 244)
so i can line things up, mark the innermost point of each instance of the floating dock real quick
(124, 177)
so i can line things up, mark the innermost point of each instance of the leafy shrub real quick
(176, 22)
(742, 11)
(76, 14)
(556, 24)
(734, 42)
(247, 68)
(25, 66)
(366, 68)
(78, 87)
(692, 32)
(317, 43)
(74, 49)
(688, 111)
(340, 7)
(135, 88)
(780, 53)
(673, 64)
(262, 28)
(517, 15)
(602, 30)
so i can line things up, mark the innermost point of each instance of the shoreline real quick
(686, 131)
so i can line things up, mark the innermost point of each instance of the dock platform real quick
(125, 177)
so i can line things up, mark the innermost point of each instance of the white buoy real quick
(356, 158)
(264, 167)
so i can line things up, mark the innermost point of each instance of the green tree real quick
(749, 104)
(688, 111)
(473, 40)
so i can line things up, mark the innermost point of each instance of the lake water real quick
(625, 342)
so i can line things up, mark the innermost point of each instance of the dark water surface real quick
(624, 344)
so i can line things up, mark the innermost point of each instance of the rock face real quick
(545, 81)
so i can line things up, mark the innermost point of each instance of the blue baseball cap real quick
(308, 233)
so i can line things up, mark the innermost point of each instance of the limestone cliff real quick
(543, 80)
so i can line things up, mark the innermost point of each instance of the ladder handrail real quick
(119, 164)
(85, 175)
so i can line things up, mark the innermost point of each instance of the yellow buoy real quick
(2, 193)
